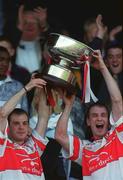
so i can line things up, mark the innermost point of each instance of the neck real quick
(20, 142)
(94, 138)
(28, 38)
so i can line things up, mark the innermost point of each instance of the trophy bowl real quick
(63, 52)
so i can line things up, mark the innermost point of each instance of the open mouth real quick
(99, 126)
(115, 65)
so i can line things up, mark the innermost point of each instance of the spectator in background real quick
(16, 72)
(115, 33)
(31, 22)
(114, 62)
(95, 32)
(30, 33)
(34, 25)
(25, 32)
(9, 86)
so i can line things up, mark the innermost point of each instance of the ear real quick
(88, 122)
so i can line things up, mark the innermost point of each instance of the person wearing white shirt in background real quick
(32, 21)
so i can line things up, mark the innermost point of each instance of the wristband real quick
(25, 89)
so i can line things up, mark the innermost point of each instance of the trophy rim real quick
(58, 45)
(74, 40)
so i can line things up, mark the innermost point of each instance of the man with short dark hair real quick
(102, 157)
(19, 152)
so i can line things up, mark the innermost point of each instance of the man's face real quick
(4, 62)
(115, 60)
(98, 121)
(31, 28)
(18, 128)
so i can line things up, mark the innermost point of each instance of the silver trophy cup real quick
(62, 54)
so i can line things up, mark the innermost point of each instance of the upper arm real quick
(39, 141)
(65, 143)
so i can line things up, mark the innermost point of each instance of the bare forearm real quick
(115, 95)
(42, 126)
(111, 85)
(61, 129)
(12, 102)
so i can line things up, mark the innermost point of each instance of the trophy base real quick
(57, 82)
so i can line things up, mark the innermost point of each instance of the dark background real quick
(73, 13)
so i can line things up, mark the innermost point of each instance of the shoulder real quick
(15, 85)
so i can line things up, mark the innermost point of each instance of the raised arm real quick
(44, 111)
(115, 95)
(61, 130)
(10, 104)
(102, 29)
(114, 32)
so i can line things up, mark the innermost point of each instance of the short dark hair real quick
(112, 44)
(17, 111)
(7, 39)
(99, 104)
(3, 49)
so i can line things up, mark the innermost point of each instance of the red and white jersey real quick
(21, 162)
(101, 159)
